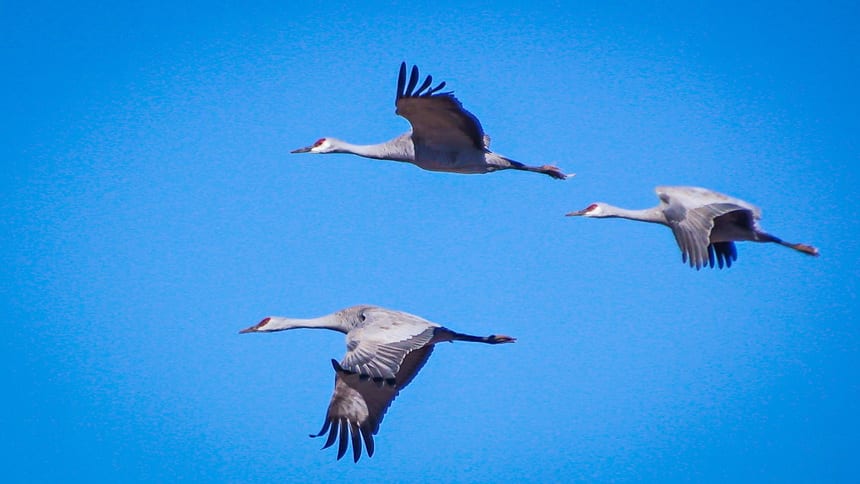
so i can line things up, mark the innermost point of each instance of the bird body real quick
(444, 137)
(385, 350)
(705, 223)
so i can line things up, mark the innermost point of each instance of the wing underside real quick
(438, 119)
(360, 402)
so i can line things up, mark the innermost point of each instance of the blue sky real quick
(151, 209)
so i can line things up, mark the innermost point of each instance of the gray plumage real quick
(385, 350)
(706, 224)
(444, 137)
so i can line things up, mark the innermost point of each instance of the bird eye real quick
(362, 317)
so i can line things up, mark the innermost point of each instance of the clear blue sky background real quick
(150, 209)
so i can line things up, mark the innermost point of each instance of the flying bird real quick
(706, 224)
(385, 350)
(444, 136)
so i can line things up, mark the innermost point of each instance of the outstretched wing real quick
(695, 197)
(438, 119)
(359, 403)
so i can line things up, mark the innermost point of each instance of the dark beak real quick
(302, 150)
(575, 214)
(252, 329)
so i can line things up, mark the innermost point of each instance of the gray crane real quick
(385, 350)
(705, 223)
(444, 136)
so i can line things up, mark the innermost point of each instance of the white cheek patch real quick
(593, 210)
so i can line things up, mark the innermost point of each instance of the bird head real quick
(593, 210)
(259, 327)
(322, 145)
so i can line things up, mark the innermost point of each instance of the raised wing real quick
(437, 118)
(359, 403)
(695, 197)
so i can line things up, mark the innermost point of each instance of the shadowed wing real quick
(438, 119)
(692, 230)
(359, 403)
(725, 253)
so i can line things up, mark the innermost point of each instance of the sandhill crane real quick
(385, 350)
(705, 223)
(444, 136)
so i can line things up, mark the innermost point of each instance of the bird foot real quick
(806, 249)
(500, 338)
(555, 172)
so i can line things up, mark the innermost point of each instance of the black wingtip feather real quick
(434, 90)
(342, 443)
(726, 253)
(424, 85)
(356, 442)
(368, 441)
(405, 89)
(401, 80)
(325, 427)
(413, 80)
(332, 435)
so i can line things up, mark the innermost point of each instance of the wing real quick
(378, 347)
(359, 403)
(692, 230)
(725, 253)
(368, 355)
(694, 197)
(437, 118)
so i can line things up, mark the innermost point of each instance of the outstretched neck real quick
(652, 215)
(277, 323)
(397, 149)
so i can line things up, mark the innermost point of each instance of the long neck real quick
(398, 149)
(277, 323)
(651, 215)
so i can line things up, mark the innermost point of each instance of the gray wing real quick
(359, 403)
(378, 347)
(691, 213)
(437, 118)
(381, 359)
(695, 197)
(692, 230)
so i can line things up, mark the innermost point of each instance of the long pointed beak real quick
(575, 214)
(256, 327)
(302, 150)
